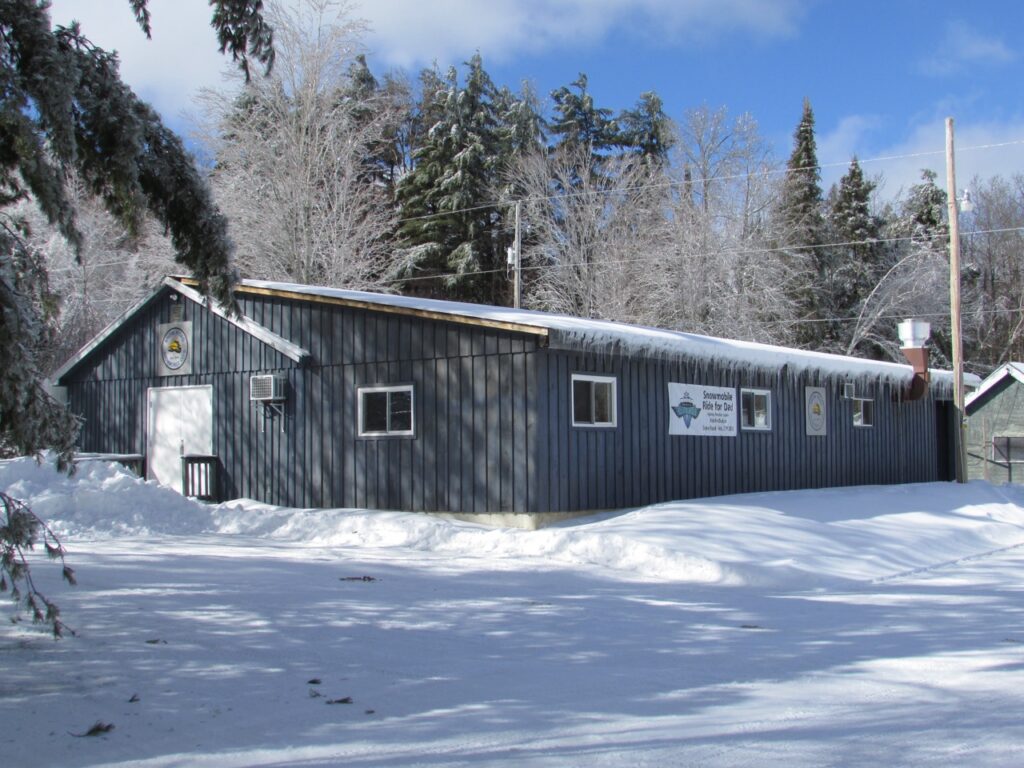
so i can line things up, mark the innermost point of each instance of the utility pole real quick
(954, 305)
(517, 286)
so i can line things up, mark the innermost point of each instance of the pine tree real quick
(446, 229)
(802, 196)
(646, 130)
(578, 123)
(65, 108)
(367, 101)
(859, 259)
(803, 234)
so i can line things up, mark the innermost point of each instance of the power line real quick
(700, 254)
(695, 181)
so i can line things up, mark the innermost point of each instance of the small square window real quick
(863, 413)
(593, 400)
(1008, 450)
(756, 409)
(386, 411)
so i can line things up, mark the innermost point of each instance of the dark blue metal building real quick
(320, 397)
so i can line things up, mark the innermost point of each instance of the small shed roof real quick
(993, 380)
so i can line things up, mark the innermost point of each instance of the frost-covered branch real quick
(21, 530)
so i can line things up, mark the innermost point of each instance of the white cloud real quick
(182, 56)
(416, 33)
(984, 149)
(963, 47)
(838, 147)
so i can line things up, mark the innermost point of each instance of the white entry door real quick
(180, 423)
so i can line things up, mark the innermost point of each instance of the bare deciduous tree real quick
(589, 234)
(292, 153)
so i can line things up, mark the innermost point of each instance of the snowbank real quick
(811, 537)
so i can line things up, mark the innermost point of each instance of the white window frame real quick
(361, 391)
(613, 405)
(858, 406)
(767, 395)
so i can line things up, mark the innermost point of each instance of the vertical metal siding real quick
(493, 418)
(638, 462)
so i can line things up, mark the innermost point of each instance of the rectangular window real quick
(593, 400)
(386, 411)
(756, 409)
(863, 412)
(1008, 450)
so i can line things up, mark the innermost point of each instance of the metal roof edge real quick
(284, 346)
(276, 341)
(1012, 369)
(91, 345)
(427, 314)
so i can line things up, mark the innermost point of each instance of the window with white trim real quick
(593, 400)
(756, 409)
(863, 412)
(386, 411)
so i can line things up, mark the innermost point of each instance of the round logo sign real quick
(174, 348)
(816, 412)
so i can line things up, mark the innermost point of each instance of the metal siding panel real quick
(468, 444)
(566, 470)
(494, 406)
(481, 418)
(521, 417)
(456, 427)
(407, 348)
(538, 466)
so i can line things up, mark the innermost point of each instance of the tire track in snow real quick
(946, 564)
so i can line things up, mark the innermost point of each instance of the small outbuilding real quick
(995, 427)
(320, 397)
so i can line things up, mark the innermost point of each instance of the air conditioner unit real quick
(849, 391)
(266, 388)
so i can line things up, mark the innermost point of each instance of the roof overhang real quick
(287, 348)
(320, 296)
(993, 380)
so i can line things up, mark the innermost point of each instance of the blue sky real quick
(881, 74)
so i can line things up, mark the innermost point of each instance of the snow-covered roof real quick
(1000, 374)
(567, 332)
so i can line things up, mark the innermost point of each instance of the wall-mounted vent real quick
(266, 388)
(849, 391)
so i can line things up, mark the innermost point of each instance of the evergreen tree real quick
(859, 259)
(65, 108)
(923, 214)
(520, 126)
(577, 123)
(803, 233)
(367, 100)
(65, 111)
(802, 196)
(646, 130)
(446, 230)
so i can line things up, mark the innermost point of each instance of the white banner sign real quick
(703, 411)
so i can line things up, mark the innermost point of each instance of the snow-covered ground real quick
(862, 626)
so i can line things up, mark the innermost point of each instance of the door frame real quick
(150, 420)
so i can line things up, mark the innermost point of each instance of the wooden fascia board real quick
(284, 346)
(425, 314)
